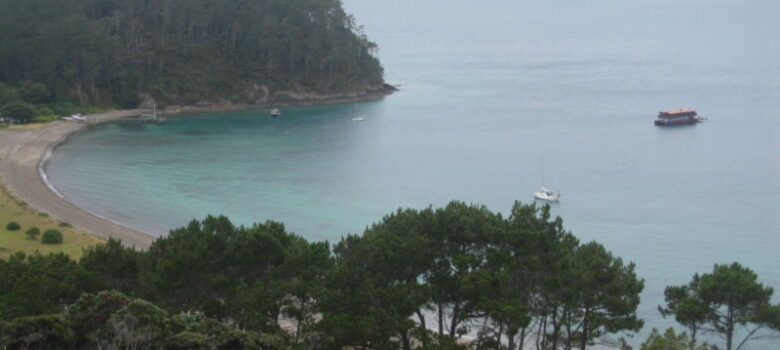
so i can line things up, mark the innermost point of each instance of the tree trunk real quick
(556, 327)
(521, 345)
(454, 321)
(585, 331)
(424, 328)
(511, 340)
(406, 342)
(729, 327)
(441, 322)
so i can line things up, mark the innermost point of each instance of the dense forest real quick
(106, 52)
(457, 277)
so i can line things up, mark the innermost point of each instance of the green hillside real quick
(107, 52)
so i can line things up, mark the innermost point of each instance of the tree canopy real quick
(729, 302)
(460, 269)
(106, 52)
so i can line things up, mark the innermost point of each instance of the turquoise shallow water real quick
(487, 90)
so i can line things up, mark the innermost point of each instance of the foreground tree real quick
(686, 305)
(608, 293)
(735, 301)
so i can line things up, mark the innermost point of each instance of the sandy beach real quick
(23, 149)
(21, 153)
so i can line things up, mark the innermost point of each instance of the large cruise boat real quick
(678, 117)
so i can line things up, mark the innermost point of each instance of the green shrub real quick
(19, 111)
(65, 224)
(51, 237)
(33, 233)
(12, 226)
(64, 108)
(43, 215)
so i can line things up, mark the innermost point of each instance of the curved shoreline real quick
(23, 153)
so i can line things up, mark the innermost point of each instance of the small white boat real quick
(76, 118)
(275, 113)
(547, 195)
(359, 118)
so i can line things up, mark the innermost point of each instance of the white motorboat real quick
(76, 118)
(547, 195)
(275, 113)
(359, 118)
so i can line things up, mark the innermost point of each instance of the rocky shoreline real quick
(278, 99)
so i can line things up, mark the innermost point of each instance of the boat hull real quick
(667, 122)
(546, 197)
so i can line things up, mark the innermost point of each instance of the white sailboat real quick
(544, 193)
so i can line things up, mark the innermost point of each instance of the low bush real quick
(32, 233)
(51, 237)
(65, 224)
(12, 226)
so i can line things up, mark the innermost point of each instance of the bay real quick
(488, 89)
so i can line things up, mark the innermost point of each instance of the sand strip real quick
(21, 153)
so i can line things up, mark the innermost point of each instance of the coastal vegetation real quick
(727, 302)
(31, 224)
(59, 57)
(455, 277)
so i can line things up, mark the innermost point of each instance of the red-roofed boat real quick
(678, 117)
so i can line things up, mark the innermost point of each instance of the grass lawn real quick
(12, 209)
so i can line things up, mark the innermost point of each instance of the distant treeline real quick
(106, 52)
(515, 282)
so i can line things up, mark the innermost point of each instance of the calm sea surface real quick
(488, 90)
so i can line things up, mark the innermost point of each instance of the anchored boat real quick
(678, 117)
(547, 195)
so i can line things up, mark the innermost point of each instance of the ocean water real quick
(489, 90)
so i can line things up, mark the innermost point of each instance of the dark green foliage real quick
(38, 332)
(65, 224)
(471, 266)
(114, 266)
(518, 279)
(40, 284)
(726, 300)
(12, 226)
(687, 306)
(607, 293)
(51, 237)
(34, 93)
(32, 233)
(106, 52)
(672, 341)
(7, 95)
(19, 111)
(110, 320)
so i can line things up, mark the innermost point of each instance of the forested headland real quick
(63, 53)
(457, 277)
